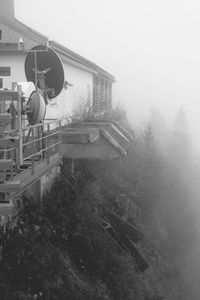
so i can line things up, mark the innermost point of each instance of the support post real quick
(19, 124)
(60, 139)
(72, 166)
(48, 144)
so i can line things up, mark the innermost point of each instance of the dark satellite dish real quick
(36, 108)
(47, 68)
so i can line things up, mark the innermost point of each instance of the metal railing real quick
(41, 141)
(35, 143)
(11, 153)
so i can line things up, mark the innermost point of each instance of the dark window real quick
(0, 34)
(1, 83)
(5, 71)
(102, 94)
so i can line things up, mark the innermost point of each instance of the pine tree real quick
(178, 194)
(179, 153)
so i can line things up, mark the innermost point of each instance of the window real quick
(102, 94)
(5, 71)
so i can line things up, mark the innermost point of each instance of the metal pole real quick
(48, 144)
(35, 62)
(19, 124)
(60, 140)
(72, 166)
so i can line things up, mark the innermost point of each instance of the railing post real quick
(19, 124)
(47, 143)
(34, 147)
(60, 140)
(32, 164)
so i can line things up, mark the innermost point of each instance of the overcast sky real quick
(152, 47)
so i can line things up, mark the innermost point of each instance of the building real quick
(30, 155)
(89, 83)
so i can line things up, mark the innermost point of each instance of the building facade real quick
(90, 86)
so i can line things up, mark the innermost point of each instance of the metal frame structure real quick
(26, 153)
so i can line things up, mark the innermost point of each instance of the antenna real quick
(44, 68)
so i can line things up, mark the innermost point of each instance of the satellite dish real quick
(33, 103)
(44, 64)
(36, 108)
(44, 69)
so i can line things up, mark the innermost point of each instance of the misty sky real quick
(152, 47)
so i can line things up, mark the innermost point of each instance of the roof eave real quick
(40, 38)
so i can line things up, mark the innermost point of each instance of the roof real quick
(39, 38)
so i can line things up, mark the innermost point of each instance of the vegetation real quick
(59, 249)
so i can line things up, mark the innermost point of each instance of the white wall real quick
(69, 100)
(16, 62)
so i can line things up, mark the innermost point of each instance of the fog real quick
(151, 47)
(153, 50)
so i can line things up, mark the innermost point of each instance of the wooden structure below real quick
(42, 148)
(94, 140)
(124, 235)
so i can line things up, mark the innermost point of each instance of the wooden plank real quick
(6, 164)
(10, 187)
(141, 263)
(123, 227)
(5, 119)
(5, 71)
(8, 95)
(9, 142)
